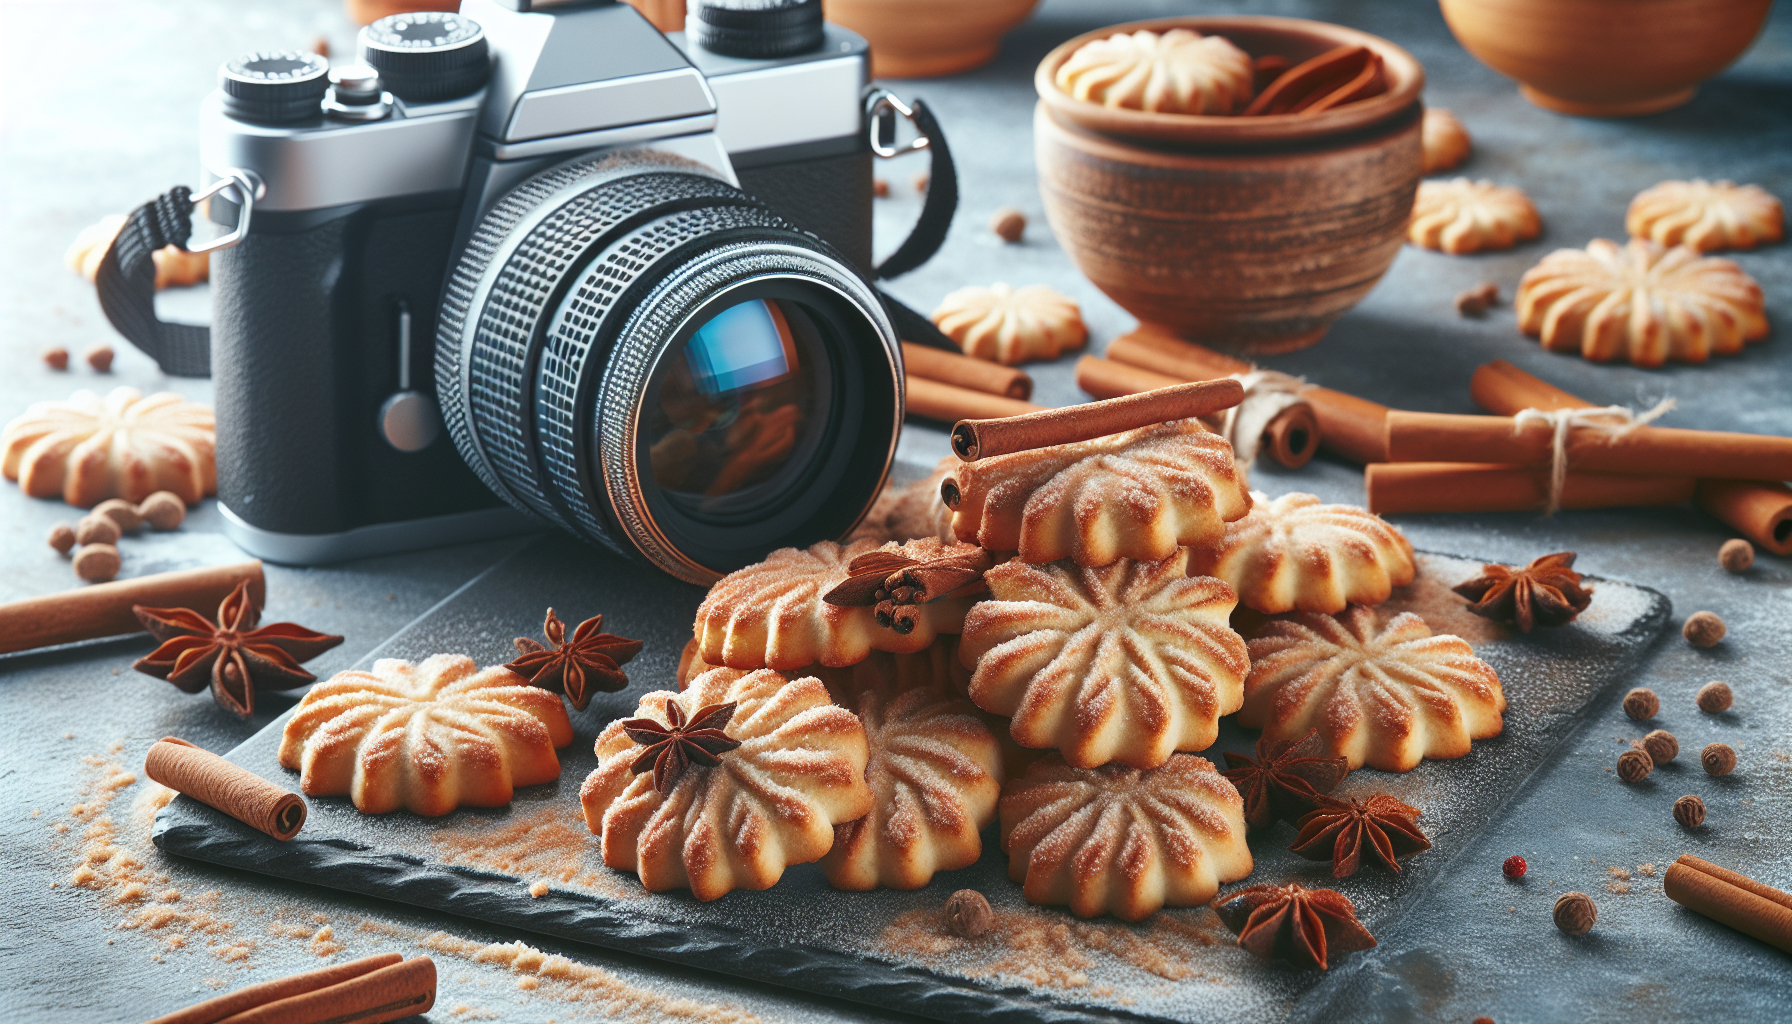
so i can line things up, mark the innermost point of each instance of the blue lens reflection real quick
(739, 347)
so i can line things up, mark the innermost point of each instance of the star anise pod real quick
(1286, 779)
(1295, 923)
(232, 655)
(1339, 830)
(590, 661)
(672, 747)
(1548, 592)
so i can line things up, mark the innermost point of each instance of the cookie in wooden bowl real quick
(1178, 71)
(1461, 216)
(1299, 553)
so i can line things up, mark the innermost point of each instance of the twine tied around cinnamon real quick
(1612, 422)
(1266, 393)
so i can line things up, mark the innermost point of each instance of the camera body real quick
(335, 365)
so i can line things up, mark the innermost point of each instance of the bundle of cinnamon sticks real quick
(379, 988)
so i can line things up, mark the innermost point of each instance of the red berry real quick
(1514, 866)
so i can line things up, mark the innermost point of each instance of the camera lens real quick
(648, 357)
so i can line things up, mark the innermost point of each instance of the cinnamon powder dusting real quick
(544, 846)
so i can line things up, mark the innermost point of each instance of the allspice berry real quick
(100, 358)
(1703, 629)
(1714, 697)
(56, 357)
(1641, 703)
(880, 188)
(96, 529)
(1718, 759)
(97, 563)
(1576, 912)
(1661, 746)
(968, 914)
(62, 538)
(1736, 555)
(1634, 765)
(121, 512)
(163, 510)
(1689, 811)
(1009, 223)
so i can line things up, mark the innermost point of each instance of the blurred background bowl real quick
(929, 38)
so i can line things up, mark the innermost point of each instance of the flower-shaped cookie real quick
(1011, 325)
(1641, 301)
(1176, 72)
(89, 448)
(1128, 662)
(1706, 216)
(935, 772)
(770, 802)
(772, 615)
(1122, 841)
(1445, 141)
(428, 737)
(175, 267)
(1139, 494)
(1385, 697)
(1295, 552)
(1461, 216)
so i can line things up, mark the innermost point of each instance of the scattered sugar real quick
(1622, 874)
(1646, 870)
(1620, 888)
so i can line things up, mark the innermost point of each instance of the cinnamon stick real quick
(1291, 438)
(1350, 427)
(950, 403)
(1645, 451)
(974, 439)
(104, 609)
(390, 993)
(228, 1005)
(235, 790)
(976, 374)
(1731, 898)
(1471, 487)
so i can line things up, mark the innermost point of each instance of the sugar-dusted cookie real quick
(428, 737)
(1297, 552)
(1445, 140)
(724, 785)
(1462, 216)
(125, 445)
(1128, 662)
(1706, 215)
(1174, 72)
(1642, 301)
(1383, 696)
(1122, 841)
(1139, 494)
(1011, 325)
(772, 615)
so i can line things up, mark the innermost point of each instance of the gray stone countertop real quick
(97, 103)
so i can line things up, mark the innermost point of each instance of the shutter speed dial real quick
(427, 56)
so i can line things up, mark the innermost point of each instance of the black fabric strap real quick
(914, 328)
(126, 283)
(936, 212)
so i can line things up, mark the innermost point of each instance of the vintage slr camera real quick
(628, 273)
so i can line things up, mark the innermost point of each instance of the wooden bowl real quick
(1606, 58)
(1243, 236)
(929, 38)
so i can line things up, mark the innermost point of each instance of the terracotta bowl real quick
(929, 38)
(1606, 58)
(1247, 234)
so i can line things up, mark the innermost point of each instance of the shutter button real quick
(355, 95)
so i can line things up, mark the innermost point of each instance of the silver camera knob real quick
(409, 420)
(355, 95)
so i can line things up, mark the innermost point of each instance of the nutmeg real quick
(121, 512)
(1575, 913)
(1736, 555)
(96, 529)
(1718, 759)
(97, 563)
(1641, 703)
(1008, 223)
(1703, 629)
(100, 358)
(1634, 765)
(56, 357)
(1714, 697)
(163, 510)
(1689, 811)
(968, 914)
(1661, 746)
(62, 538)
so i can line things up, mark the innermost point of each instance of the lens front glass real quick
(735, 423)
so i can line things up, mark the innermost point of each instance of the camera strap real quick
(941, 202)
(126, 283)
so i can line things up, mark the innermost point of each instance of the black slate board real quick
(802, 933)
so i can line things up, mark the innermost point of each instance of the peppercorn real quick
(1641, 703)
(968, 914)
(95, 529)
(1718, 759)
(1736, 555)
(62, 538)
(163, 510)
(1661, 746)
(1514, 867)
(100, 358)
(1634, 765)
(121, 512)
(1689, 811)
(56, 357)
(1474, 301)
(1575, 913)
(97, 563)
(1703, 629)
(1009, 223)
(1714, 697)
